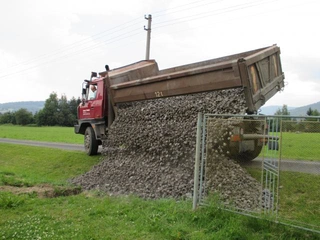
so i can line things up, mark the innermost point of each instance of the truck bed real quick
(258, 72)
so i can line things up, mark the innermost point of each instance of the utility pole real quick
(149, 18)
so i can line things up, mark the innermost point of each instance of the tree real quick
(8, 117)
(23, 117)
(284, 111)
(312, 127)
(58, 111)
(311, 112)
(64, 115)
(48, 115)
(73, 104)
(287, 125)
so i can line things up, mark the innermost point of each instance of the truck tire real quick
(90, 142)
(247, 155)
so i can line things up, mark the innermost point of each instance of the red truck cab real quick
(92, 114)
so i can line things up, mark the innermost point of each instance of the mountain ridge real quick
(294, 111)
(31, 106)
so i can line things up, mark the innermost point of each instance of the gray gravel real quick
(151, 146)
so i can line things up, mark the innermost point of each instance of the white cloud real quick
(61, 42)
(297, 92)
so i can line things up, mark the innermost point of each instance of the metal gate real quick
(262, 166)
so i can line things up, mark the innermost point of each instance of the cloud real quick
(297, 92)
(61, 42)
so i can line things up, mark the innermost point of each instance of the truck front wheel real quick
(90, 142)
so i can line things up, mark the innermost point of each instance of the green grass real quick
(94, 215)
(46, 134)
(298, 197)
(297, 146)
(26, 166)
(301, 146)
(103, 217)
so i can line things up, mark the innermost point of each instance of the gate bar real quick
(197, 161)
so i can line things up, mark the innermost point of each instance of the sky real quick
(52, 46)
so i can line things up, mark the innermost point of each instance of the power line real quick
(80, 42)
(182, 7)
(67, 54)
(209, 14)
(114, 39)
(116, 29)
(164, 12)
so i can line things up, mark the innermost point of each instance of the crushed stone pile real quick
(224, 175)
(235, 186)
(151, 146)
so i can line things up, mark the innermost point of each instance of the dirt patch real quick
(42, 191)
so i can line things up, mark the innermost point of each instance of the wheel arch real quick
(83, 127)
(99, 128)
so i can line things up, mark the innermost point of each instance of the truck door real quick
(95, 101)
(93, 106)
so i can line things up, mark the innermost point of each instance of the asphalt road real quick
(285, 165)
(64, 146)
(289, 165)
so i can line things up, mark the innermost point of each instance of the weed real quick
(9, 200)
(11, 180)
(66, 191)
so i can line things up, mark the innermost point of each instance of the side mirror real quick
(93, 74)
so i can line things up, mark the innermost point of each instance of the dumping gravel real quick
(150, 150)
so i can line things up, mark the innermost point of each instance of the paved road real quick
(290, 165)
(286, 165)
(65, 146)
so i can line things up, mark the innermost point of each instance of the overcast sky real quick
(52, 46)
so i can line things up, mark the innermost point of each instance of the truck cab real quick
(92, 114)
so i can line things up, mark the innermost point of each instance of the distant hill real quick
(271, 110)
(294, 111)
(302, 111)
(31, 106)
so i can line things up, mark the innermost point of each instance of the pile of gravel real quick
(151, 145)
(236, 187)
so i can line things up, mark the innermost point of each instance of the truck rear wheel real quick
(249, 155)
(90, 142)
(246, 156)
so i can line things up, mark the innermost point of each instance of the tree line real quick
(289, 124)
(56, 112)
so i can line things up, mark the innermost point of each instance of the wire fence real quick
(261, 166)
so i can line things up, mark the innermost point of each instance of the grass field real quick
(301, 146)
(296, 146)
(46, 134)
(66, 214)
(298, 197)
(94, 215)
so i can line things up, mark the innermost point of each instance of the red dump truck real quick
(258, 72)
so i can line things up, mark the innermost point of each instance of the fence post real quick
(196, 164)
